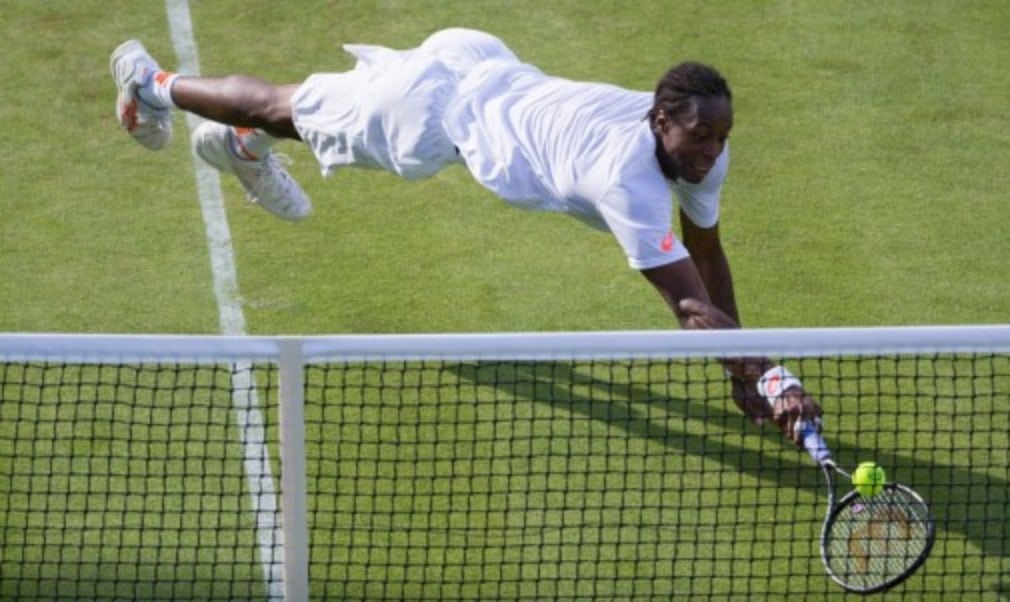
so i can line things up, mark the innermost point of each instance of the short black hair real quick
(681, 83)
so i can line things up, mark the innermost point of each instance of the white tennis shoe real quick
(265, 180)
(131, 66)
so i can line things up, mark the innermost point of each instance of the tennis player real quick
(610, 157)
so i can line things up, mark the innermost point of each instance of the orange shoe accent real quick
(129, 118)
(162, 76)
(242, 149)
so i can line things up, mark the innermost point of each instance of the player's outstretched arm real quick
(709, 258)
(680, 285)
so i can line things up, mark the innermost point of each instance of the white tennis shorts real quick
(386, 113)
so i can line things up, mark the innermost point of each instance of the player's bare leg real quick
(238, 100)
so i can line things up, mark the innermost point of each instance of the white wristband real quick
(774, 382)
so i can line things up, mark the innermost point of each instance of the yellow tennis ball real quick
(869, 479)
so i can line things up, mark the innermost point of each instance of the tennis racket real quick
(869, 544)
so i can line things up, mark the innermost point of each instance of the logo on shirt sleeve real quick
(667, 244)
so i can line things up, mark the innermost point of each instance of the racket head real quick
(871, 544)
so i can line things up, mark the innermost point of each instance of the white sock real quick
(157, 89)
(251, 143)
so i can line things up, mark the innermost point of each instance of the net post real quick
(294, 515)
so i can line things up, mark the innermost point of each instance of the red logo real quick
(667, 245)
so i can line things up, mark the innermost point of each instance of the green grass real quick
(867, 187)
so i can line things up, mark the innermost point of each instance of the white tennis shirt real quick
(585, 149)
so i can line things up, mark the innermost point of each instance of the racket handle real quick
(814, 443)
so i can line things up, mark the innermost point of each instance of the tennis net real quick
(563, 466)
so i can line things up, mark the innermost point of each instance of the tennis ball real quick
(869, 479)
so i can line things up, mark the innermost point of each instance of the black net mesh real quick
(636, 479)
(130, 482)
(435, 480)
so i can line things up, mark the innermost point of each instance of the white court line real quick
(244, 398)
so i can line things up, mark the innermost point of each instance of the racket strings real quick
(873, 541)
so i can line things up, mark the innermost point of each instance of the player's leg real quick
(238, 100)
(246, 117)
(146, 93)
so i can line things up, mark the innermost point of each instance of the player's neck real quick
(665, 163)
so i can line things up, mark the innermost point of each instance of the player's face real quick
(692, 141)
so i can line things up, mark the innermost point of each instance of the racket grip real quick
(814, 443)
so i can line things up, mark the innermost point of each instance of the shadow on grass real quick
(974, 504)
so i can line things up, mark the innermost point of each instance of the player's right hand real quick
(793, 409)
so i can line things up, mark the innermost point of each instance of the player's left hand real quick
(794, 408)
(695, 314)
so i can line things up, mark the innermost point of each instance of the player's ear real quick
(660, 122)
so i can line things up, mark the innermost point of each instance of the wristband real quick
(774, 382)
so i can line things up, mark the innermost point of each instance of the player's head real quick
(692, 114)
